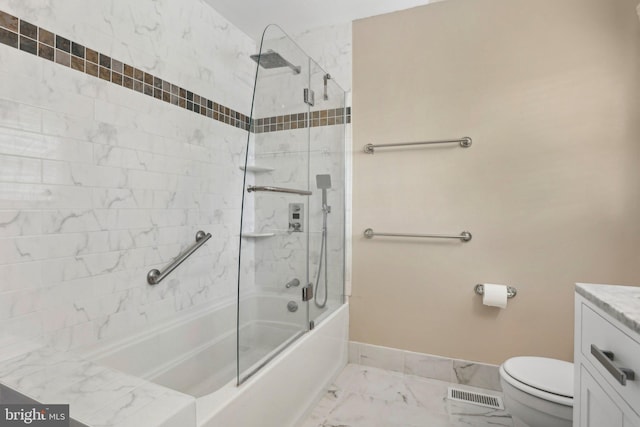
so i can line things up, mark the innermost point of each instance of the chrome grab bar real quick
(252, 188)
(465, 236)
(156, 276)
(464, 143)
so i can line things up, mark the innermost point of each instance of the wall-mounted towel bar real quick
(464, 143)
(465, 236)
(156, 276)
(252, 188)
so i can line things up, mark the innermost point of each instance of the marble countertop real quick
(620, 302)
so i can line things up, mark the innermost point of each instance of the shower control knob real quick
(295, 226)
(296, 217)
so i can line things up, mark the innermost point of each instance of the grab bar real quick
(156, 276)
(464, 143)
(279, 190)
(465, 236)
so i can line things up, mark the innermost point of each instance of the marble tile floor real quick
(363, 396)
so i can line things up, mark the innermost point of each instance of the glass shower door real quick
(274, 261)
(327, 122)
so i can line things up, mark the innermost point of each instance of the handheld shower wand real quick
(323, 183)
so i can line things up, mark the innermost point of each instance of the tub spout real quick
(294, 282)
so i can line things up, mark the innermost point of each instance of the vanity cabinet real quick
(607, 367)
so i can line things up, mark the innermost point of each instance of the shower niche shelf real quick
(256, 168)
(252, 235)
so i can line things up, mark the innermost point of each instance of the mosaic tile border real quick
(22, 35)
(329, 117)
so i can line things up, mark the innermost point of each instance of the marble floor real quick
(363, 396)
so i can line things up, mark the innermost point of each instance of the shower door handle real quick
(307, 292)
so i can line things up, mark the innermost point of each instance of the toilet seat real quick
(545, 378)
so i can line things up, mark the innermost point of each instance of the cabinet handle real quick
(622, 375)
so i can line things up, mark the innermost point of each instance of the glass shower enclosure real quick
(292, 259)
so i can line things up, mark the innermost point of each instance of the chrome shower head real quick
(324, 183)
(271, 59)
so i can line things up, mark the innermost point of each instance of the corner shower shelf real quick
(256, 169)
(257, 235)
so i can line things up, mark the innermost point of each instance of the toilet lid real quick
(550, 375)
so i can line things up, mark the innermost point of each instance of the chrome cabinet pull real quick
(622, 375)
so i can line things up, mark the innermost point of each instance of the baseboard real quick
(424, 365)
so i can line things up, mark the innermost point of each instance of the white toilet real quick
(538, 392)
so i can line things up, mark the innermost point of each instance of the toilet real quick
(538, 392)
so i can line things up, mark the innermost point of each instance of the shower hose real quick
(323, 254)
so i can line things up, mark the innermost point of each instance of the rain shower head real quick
(271, 59)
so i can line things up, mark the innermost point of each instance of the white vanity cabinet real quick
(606, 357)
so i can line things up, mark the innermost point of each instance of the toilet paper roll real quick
(495, 295)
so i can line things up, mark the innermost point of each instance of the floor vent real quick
(474, 398)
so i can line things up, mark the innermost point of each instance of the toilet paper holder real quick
(511, 291)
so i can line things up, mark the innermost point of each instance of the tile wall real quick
(331, 46)
(121, 136)
(111, 162)
(296, 156)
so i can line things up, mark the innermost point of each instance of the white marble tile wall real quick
(426, 365)
(99, 184)
(283, 257)
(331, 47)
(187, 43)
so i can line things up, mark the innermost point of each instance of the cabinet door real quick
(597, 409)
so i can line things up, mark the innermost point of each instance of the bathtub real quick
(196, 355)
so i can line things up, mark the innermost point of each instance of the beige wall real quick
(550, 189)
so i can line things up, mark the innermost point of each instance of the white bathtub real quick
(196, 355)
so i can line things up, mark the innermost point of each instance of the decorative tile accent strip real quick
(330, 117)
(20, 34)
